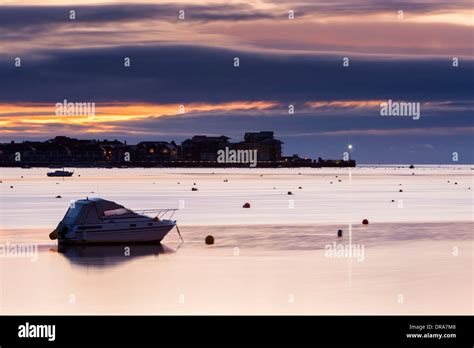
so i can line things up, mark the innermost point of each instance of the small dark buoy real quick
(400, 190)
(58, 196)
(393, 200)
(246, 205)
(412, 166)
(274, 188)
(449, 181)
(225, 180)
(22, 176)
(412, 173)
(399, 184)
(336, 176)
(11, 186)
(290, 193)
(339, 233)
(194, 184)
(300, 188)
(209, 240)
(79, 175)
(178, 182)
(330, 182)
(365, 222)
(261, 175)
(194, 189)
(455, 183)
(339, 180)
(299, 173)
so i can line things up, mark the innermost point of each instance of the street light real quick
(350, 150)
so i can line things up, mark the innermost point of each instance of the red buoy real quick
(209, 240)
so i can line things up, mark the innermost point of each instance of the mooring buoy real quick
(209, 240)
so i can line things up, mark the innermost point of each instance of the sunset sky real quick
(282, 61)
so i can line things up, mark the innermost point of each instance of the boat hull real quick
(153, 234)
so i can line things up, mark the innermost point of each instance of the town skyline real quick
(256, 148)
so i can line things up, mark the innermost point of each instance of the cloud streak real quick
(429, 28)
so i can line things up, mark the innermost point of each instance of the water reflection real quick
(110, 255)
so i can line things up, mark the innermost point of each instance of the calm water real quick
(279, 256)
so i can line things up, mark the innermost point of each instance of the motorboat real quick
(60, 173)
(96, 220)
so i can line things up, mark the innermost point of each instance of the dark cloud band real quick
(184, 74)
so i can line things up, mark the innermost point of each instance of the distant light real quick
(349, 147)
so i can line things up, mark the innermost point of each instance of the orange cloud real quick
(12, 115)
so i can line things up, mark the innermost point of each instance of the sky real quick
(182, 79)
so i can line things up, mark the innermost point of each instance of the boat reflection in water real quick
(110, 255)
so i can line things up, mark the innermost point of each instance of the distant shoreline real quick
(183, 164)
(216, 165)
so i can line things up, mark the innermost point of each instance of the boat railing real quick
(160, 213)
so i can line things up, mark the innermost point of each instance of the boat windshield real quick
(72, 213)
